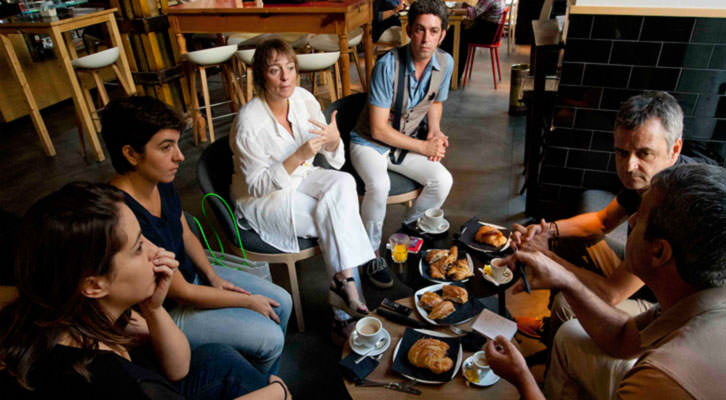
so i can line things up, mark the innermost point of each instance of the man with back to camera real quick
(400, 129)
(647, 139)
(676, 349)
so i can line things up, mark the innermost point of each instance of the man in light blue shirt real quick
(400, 130)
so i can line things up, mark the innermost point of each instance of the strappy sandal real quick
(338, 297)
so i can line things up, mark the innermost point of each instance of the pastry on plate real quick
(459, 271)
(455, 293)
(429, 300)
(438, 269)
(435, 255)
(491, 236)
(442, 310)
(431, 354)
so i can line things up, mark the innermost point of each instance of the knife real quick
(405, 386)
(401, 319)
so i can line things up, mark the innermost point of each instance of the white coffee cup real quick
(481, 363)
(367, 331)
(433, 219)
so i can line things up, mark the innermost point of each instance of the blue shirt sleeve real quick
(382, 81)
(446, 82)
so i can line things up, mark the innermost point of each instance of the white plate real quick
(488, 379)
(427, 275)
(425, 314)
(499, 276)
(457, 363)
(364, 349)
(483, 247)
(444, 227)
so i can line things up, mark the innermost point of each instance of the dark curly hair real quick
(435, 7)
(134, 121)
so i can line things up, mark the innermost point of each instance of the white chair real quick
(319, 62)
(92, 64)
(199, 61)
(511, 25)
(389, 39)
(244, 58)
(330, 43)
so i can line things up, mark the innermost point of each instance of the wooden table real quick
(59, 31)
(456, 389)
(331, 17)
(456, 16)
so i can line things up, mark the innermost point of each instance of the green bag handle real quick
(220, 257)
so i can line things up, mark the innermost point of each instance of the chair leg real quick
(94, 113)
(494, 68)
(332, 88)
(471, 62)
(361, 75)
(128, 87)
(207, 107)
(499, 68)
(198, 126)
(296, 303)
(338, 83)
(250, 82)
(101, 88)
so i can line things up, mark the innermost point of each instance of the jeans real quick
(219, 372)
(257, 337)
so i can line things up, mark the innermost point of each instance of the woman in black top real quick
(81, 266)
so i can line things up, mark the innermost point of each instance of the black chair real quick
(214, 172)
(403, 190)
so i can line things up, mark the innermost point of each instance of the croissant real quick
(438, 269)
(436, 255)
(459, 271)
(453, 255)
(431, 354)
(455, 293)
(442, 310)
(491, 236)
(429, 300)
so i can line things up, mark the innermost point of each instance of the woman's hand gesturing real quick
(329, 133)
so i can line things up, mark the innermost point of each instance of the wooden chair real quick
(214, 171)
(493, 52)
(320, 62)
(329, 43)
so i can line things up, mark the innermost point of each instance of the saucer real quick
(488, 379)
(364, 349)
(445, 227)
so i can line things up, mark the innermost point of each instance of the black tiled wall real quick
(610, 58)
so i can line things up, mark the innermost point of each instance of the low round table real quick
(455, 389)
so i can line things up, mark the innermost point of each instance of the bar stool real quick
(319, 62)
(330, 43)
(244, 57)
(389, 39)
(92, 64)
(199, 61)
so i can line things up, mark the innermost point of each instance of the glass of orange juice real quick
(399, 248)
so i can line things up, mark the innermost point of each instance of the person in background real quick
(72, 330)
(406, 137)
(676, 349)
(480, 26)
(281, 195)
(211, 304)
(385, 15)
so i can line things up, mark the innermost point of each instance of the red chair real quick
(493, 52)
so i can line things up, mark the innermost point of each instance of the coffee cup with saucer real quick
(367, 332)
(476, 370)
(433, 221)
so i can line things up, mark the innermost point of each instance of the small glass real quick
(399, 248)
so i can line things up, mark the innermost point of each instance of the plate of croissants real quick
(427, 356)
(443, 266)
(446, 304)
(484, 237)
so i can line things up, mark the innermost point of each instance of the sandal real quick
(338, 297)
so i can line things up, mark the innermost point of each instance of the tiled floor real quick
(485, 158)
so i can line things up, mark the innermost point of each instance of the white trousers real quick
(579, 369)
(372, 167)
(325, 206)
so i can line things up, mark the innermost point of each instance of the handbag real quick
(260, 269)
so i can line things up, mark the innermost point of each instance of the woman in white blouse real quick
(275, 186)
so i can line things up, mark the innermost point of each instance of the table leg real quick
(344, 61)
(118, 42)
(457, 39)
(28, 96)
(368, 47)
(79, 101)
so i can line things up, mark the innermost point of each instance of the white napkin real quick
(492, 325)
